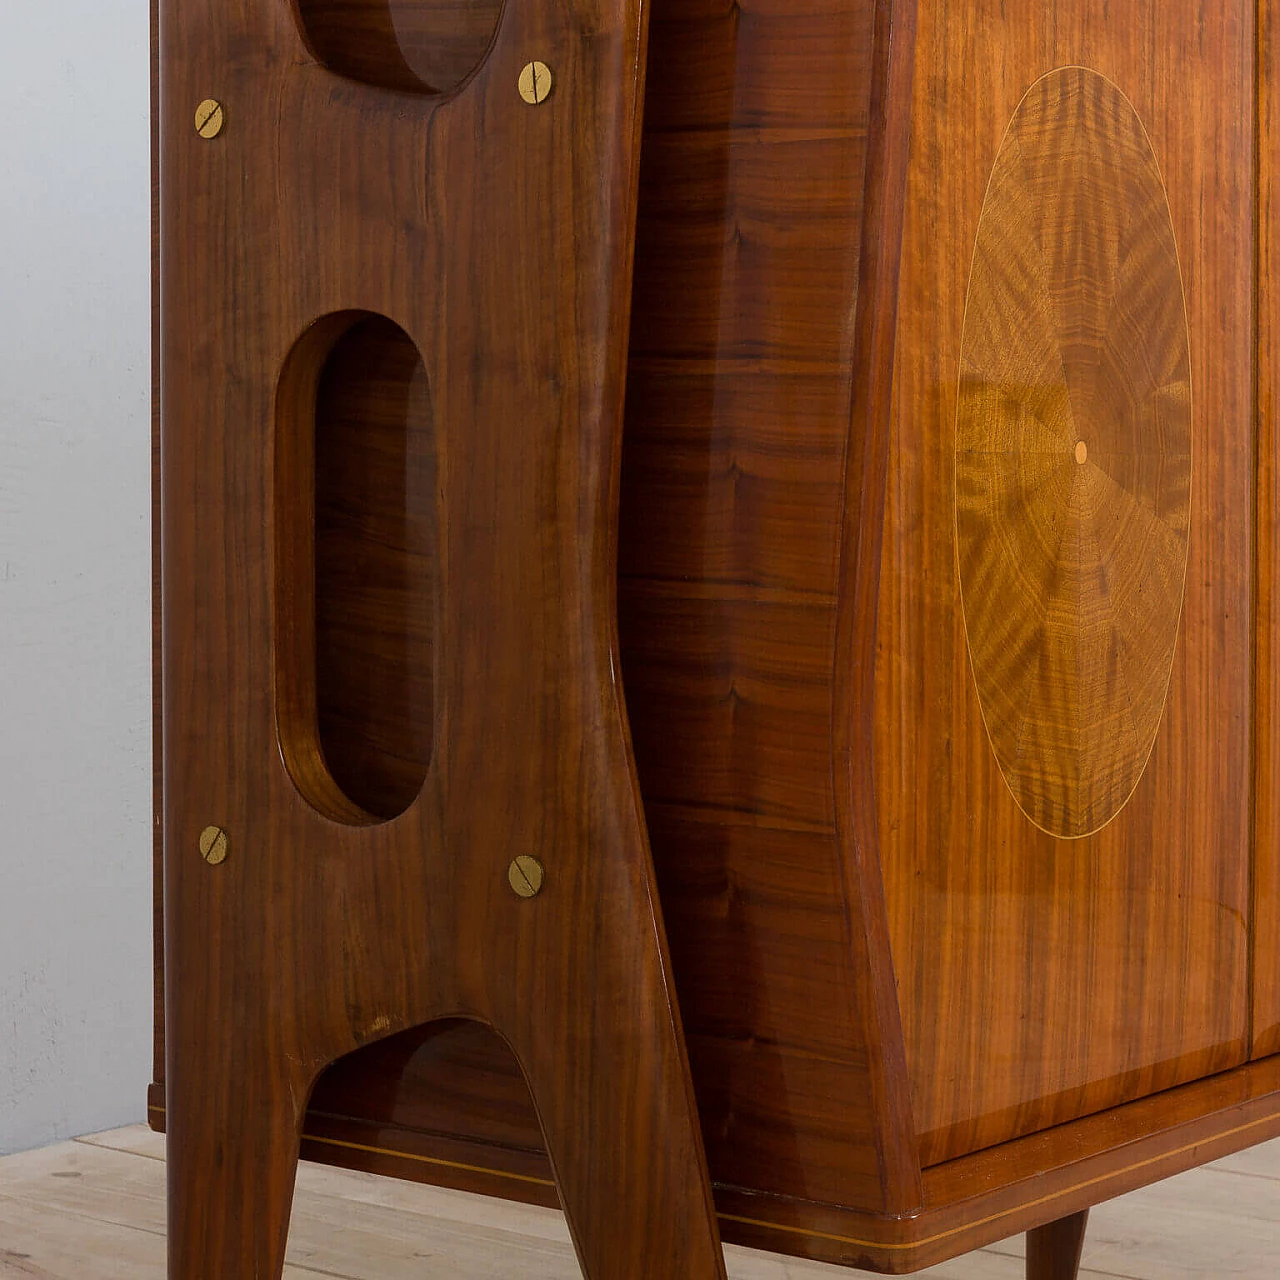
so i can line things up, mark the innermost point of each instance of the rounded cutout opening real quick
(456, 1077)
(415, 46)
(356, 567)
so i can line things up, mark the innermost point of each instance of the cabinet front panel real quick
(1064, 663)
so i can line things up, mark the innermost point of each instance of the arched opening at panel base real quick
(357, 533)
(452, 1094)
(415, 46)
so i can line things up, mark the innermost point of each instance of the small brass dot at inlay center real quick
(1082, 452)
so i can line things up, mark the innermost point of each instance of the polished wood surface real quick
(1042, 979)
(498, 238)
(768, 170)
(1053, 1251)
(1265, 918)
(968, 1203)
(93, 1209)
(413, 46)
(1073, 453)
(357, 589)
(917, 1022)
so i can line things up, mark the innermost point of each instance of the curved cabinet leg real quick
(619, 1119)
(232, 1163)
(1053, 1251)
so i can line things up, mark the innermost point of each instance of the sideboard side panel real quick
(755, 183)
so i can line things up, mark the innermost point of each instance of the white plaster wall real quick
(75, 765)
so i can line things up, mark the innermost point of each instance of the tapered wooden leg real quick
(233, 1138)
(630, 1177)
(1053, 1251)
(617, 1109)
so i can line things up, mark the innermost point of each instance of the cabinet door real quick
(1064, 679)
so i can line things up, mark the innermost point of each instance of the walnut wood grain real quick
(917, 1024)
(414, 46)
(1265, 919)
(498, 238)
(1053, 1251)
(773, 160)
(1043, 979)
(358, 591)
(1073, 453)
(969, 1203)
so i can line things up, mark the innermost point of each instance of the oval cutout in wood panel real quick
(357, 567)
(417, 46)
(1073, 453)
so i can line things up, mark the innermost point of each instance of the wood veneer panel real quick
(773, 1041)
(1266, 890)
(764, 63)
(751, 254)
(1073, 453)
(731, 214)
(775, 487)
(743, 687)
(1043, 979)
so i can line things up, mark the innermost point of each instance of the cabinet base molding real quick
(970, 1203)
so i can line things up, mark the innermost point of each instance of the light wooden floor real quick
(94, 1210)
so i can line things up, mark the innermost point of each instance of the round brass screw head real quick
(526, 876)
(213, 846)
(535, 83)
(210, 117)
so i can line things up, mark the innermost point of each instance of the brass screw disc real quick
(213, 846)
(210, 117)
(535, 83)
(526, 876)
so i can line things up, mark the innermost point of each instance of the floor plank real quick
(93, 1209)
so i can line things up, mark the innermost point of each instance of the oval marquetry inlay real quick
(1073, 453)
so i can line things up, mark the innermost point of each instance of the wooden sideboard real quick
(946, 546)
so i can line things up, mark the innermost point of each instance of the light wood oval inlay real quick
(1073, 453)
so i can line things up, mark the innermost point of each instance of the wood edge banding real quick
(861, 539)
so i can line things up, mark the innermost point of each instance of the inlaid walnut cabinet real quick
(718, 637)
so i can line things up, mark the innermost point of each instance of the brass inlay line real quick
(886, 1246)
(448, 1164)
(924, 1241)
